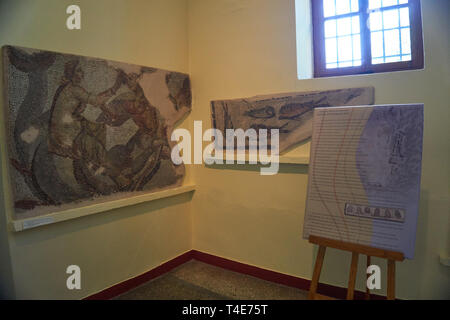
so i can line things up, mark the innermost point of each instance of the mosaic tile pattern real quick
(290, 113)
(81, 129)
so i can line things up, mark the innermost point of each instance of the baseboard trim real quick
(276, 277)
(253, 271)
(264, 274)
(132, 283)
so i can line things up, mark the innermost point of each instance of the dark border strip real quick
(132, 283)
(276, 277)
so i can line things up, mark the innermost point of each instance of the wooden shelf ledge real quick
(34, 222)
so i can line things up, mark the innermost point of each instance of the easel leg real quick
(367, 288)
(352, 277)
(391, 280)
(316, 274)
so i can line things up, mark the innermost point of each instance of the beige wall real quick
(232, 49)
(113, 246)
(241, 48)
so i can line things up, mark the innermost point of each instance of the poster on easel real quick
(364, 176)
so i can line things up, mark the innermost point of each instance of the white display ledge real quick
(302, 160)
(28, 223)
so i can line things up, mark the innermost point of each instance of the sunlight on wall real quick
(305, 63)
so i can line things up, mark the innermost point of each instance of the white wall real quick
(241, 48)
(113, 246)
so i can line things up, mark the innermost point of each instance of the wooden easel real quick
(355, 249)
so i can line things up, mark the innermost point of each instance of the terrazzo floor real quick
(196, 280)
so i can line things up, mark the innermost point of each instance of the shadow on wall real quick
(6, 279)
(284, 167)
(418, 265)
(36, 235)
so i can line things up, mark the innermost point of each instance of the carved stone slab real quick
(291, 113)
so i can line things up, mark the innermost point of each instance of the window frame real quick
(417, 55)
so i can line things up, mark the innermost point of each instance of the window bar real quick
(416, 40)
(366, 46)
(398, 6)
(400, 35)
(382, 30)
(351, 39)
(337, 38)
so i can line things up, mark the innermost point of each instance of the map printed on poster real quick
(364, 177)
